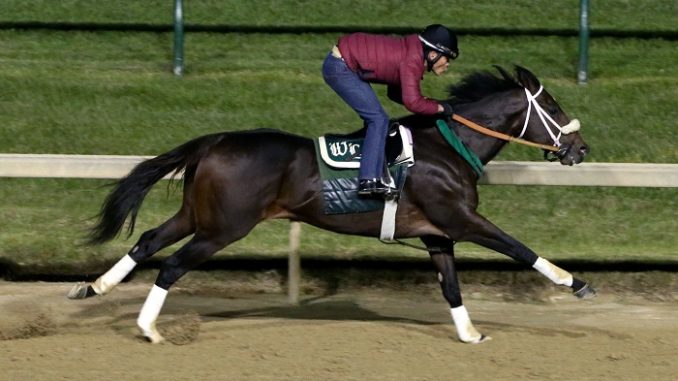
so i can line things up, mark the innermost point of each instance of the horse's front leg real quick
(442, 255)
(482, 232)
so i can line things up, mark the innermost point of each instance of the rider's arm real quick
(411, 74)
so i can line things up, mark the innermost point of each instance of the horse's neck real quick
(486, 147)
(494, 114)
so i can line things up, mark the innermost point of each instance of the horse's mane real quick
(478, 85)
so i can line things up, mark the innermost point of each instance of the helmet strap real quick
(431, 62)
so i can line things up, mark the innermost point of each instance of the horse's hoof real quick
(81, 290)
(482, 339)
(586, 292)
(151, 334)
(154, 338)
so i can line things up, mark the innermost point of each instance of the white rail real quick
(498, 172)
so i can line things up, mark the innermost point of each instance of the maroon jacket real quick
(395, 61)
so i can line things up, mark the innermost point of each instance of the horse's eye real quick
(553, 110)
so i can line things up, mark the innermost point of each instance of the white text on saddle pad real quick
(339, 149)
(343, 148)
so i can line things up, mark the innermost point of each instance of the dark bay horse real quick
(234, 180)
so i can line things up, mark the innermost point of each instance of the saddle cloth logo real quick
(342, 152)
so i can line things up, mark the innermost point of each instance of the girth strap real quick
(388, 220)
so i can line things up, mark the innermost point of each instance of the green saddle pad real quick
(340, 173)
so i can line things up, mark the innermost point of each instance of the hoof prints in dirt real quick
(23, 321)
(182, 330)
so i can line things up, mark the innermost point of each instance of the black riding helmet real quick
(439, 38)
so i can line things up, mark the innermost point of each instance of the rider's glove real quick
(447, 109)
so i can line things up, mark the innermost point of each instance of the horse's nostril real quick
(584, 150)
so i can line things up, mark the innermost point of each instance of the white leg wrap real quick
(465, 329)
(149, 314)
(553, 272)
(114, 276)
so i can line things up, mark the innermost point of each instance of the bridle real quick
(545, 118)
(569, 128)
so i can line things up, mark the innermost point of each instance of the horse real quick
(234, 180)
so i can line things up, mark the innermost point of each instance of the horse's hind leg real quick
(196, 251)
(150, 242)
(442, 254)
(219, 224)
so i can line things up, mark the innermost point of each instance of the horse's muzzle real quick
(568, 154)
(557, 155)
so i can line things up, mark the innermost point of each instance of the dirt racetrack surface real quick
(360, 334)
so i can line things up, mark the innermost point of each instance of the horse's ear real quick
(527, 79)
(504, 73)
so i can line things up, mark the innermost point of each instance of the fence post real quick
(178, 38)
(294, 264)
(582, 74)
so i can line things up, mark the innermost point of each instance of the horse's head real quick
(517, 108)
(545, 122)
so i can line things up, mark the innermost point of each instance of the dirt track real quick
(373, 334)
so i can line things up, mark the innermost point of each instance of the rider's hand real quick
(447, 109)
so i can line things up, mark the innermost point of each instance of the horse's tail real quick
(129, 192)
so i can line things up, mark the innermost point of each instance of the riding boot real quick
(376, 187)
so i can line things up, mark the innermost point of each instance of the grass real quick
(50, 216)
(112, 93)
(562, 14)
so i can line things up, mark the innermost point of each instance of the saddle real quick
(343, 151)
(338, 158)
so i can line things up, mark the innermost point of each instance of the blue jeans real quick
(359, 95)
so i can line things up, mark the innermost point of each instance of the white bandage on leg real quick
(465, 329)
(553, 272)
(149, 313)
(114, 276)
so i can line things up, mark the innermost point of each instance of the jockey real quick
(359, 59)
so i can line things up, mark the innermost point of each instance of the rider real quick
(359, 59)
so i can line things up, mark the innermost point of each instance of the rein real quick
(499, 135)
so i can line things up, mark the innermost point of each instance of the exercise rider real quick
(360, 59)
